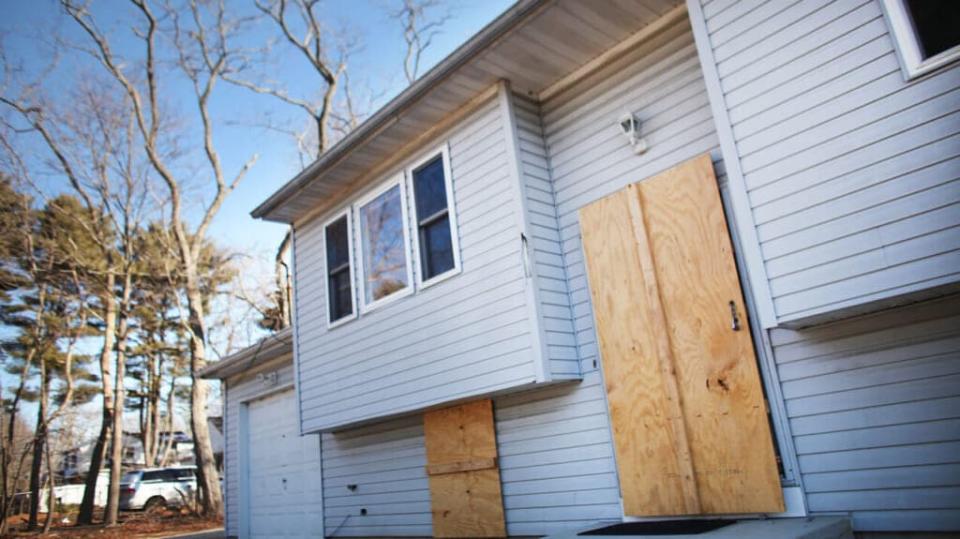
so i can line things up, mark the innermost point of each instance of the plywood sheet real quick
(652, 467)
(465, 493)
(682, 380)
(715, 364)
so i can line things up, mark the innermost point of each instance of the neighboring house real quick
(75, 463)
(498, 330)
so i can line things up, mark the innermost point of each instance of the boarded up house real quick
(624, 259)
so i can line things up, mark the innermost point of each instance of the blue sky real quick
(375, 68)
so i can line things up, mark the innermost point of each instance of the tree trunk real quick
(51, 492)
(36, 466)
(85, 516)
(168, 444)
(207, 477)
(116, 448)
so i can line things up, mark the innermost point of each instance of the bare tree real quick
(200, 42)
(302, 28)
(419, 29)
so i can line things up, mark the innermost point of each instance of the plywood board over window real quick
(465, 495)
(690, 425)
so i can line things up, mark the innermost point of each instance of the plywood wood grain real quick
(689, 420)
(649, 449)
(716, 367)
(465, 493)
(461, 466)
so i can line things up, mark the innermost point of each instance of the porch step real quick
(774, 528)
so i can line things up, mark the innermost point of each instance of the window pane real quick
(338, 270)
(338, 250)
(384, 256)
(436, 248)
(341, 300)
(429, 189)
(937, 24)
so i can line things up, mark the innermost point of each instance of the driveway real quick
(215, 533)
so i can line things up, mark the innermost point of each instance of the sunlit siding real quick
(545, 242)
(853, 174)
(237, 390)
(874, 406)
(379, 469)
(556, 458)
(465, 336)
(556, 467)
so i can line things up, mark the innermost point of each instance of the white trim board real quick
(531, 283)
(444, 153)
(904, 37)
(398, 182)
(743, 213)
(326, 269)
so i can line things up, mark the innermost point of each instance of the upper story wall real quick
(661, 82)
(472, 334)
(852, 174)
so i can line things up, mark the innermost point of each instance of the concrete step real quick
(773, 528)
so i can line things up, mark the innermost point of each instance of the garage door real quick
(284, 472)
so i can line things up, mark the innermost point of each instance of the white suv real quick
(155, 488)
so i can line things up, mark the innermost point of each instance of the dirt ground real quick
(158, 524)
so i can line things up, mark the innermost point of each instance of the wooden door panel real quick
(465, 493)
(664, 307)
(655, 476)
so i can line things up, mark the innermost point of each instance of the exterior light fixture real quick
(630, 126)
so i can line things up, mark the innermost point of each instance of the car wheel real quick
(155, 504)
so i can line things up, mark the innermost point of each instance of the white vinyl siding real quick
(852, 174)
(465, 336)
(556, 459)
(379, 469)
(874, 406)
(556, 468)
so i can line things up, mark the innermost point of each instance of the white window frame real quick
(326, 270)
(396, 181)
(908, 46)
(444, 152)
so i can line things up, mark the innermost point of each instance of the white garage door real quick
(284, 481)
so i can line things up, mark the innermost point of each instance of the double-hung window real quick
(926, 33)
(436, 238)
(337, 240)
(384, 245)
(375, 232)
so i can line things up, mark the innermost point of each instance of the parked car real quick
(155, 488)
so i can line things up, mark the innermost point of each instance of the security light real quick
(630, 126)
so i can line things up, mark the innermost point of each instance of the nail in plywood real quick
(682, 380)
(465, 495)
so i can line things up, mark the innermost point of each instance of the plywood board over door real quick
(465, 494)
(690, 425)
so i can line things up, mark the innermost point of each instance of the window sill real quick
(341, 321)
(436, 279)
(931, 64)
(388, 299)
